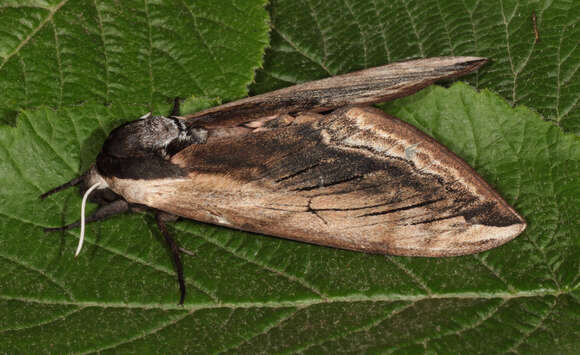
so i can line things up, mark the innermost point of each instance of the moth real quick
(313, 163)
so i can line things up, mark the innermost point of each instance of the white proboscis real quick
(83, 204)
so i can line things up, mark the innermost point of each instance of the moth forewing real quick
(363, 87)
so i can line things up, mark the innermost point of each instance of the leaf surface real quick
(62, 53)
(257, 292)
(247, 292)
(315, 39)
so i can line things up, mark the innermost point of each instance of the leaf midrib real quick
(302, 303)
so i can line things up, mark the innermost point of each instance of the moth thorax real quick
(159, 135)
(159, 131)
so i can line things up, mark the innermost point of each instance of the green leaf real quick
(61, 53)
(315, 39)
(249, 293)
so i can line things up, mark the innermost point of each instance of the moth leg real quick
(161, 218)
(176, 109)
(103, 212)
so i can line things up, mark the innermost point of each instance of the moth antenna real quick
(64, 186)
(83, 205)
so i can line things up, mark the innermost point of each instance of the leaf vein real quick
(266, 267)
(57, 55)
(202, 38)
(60, 317)
(150, 54)
(463, 329)
(143, 335)
(303, 53)
(383, 31)
(526, 335)
(509, 55)
(365, 328)
(360, 31)
(105, 55)
(411, 274)
(414, 27)
(264, 331)
(302, 302)
(42, 273)
(51, 13)
(45, 141)
(445, 27)
(319, 28)
(18, 170)
(510, 287)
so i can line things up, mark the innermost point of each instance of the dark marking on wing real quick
(437, 219)
(306, 169)
(312, 160)
(366, 207)
(489, 214)
(315, 212)
(329, 184)
(394, 210)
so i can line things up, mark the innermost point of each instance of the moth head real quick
(140, 149)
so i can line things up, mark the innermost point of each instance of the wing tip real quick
(459, 66)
